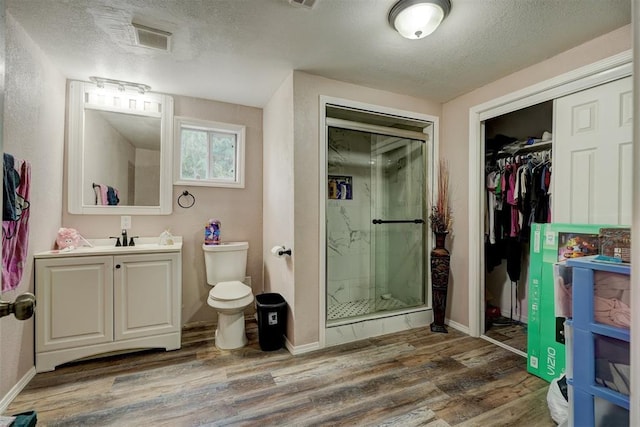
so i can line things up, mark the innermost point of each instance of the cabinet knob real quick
(117, 265)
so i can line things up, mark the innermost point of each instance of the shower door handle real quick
(398, 221)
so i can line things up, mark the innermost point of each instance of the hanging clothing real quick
(491, 205)
(493, 211)
(514, 259)
(510, 181)
(518, 194)
(542, 206)
(15, 233)
(10, 181)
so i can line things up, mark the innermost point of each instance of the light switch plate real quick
(125, 222)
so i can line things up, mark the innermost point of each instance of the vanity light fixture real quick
(120, 84)
(415, 19)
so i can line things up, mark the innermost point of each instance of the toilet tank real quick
(226, 261)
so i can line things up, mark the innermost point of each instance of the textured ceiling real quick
(240, 51)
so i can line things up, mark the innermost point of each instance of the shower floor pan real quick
(362, 307)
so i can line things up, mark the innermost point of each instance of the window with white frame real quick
(209, 153)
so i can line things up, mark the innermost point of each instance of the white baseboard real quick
(458, 326)
(301, 349)
(16, 389)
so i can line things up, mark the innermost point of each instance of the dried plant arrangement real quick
(440, 218)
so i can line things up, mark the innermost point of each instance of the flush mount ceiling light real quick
(120, 84)
(415, 19)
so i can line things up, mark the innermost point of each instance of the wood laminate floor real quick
(514, 336)
(412, 378)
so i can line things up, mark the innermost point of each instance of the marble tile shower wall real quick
(349, 221)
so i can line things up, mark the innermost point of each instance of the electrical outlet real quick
(125, 222)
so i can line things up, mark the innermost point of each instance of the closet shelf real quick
(532, 148)
(538, 146)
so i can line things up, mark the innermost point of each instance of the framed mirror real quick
(119, 152)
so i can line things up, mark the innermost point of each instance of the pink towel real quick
(15, 234)
(103, 193)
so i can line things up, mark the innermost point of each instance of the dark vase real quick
(439, 282)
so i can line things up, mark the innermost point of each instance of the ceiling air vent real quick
(303, 3)
(152, 37)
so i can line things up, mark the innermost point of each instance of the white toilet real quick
(226, 267)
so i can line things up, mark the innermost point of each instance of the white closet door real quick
(592, 165)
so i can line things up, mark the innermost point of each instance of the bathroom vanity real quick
(105, 299)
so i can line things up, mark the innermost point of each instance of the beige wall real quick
(34, 131)
(307, 90)
(277, 211)
(239, 210)
(454, 144)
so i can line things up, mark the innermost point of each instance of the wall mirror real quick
(120, 151)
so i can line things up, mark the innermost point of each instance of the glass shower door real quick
(375, 212)
(398, 226)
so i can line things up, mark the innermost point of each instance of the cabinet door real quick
(75, 302)
(147, 295)
(592, 165)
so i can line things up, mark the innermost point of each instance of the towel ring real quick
(186, 205)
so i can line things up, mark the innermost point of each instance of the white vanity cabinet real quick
(92, 302)
(144, 295)
(74, 302)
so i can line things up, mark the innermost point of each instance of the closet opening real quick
(518, 157)
(562, 87)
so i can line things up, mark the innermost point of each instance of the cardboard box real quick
(616, 243)
(550, 244)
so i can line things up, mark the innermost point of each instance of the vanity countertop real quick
(107, 247)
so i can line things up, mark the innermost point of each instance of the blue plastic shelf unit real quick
(585, 331)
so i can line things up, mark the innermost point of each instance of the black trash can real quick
(272, 320)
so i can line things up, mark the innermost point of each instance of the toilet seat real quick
(230, 298)
(229, 291)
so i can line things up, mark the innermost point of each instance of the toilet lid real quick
(228, 291)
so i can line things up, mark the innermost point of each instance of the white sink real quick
(107, 247)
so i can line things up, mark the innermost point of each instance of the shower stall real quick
(376, 214)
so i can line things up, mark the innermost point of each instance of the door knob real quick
(22, 307)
